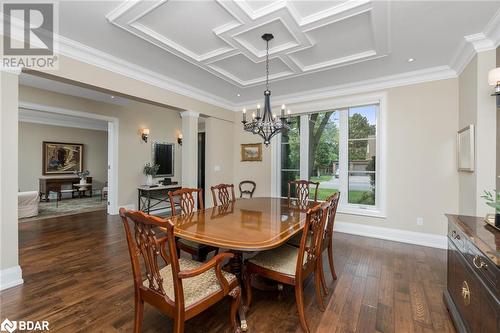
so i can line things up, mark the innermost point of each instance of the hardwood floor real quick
(77, 276)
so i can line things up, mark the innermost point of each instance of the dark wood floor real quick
(78, 277)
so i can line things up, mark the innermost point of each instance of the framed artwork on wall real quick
(60, 158)
(465, 149)
(251, 152)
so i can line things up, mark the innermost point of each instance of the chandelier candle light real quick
(267, 125)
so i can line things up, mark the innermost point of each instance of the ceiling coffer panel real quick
(225, 37)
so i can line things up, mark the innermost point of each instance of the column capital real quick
(193, 114)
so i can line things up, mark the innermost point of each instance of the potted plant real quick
(493, 200)
(150, 171)
(83, 176)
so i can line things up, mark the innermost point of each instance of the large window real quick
(339, 150)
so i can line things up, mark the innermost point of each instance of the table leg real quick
(236, 267)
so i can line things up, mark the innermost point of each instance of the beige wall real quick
(31, 136)
(8, 179)
(477, 107)
(422, 181)
(133, 153)
(218, 155)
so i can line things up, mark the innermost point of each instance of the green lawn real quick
(360, 197)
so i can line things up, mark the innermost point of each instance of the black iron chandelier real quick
(267, 125)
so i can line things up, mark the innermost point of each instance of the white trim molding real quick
(397, 235)
(11, 277)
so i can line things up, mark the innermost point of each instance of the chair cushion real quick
(282, 260)
(195, 288)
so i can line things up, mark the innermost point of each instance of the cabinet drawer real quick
(484, 267)
(457, 237)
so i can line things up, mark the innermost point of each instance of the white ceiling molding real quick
(414, 77)
(238, 31)
(487, 40)
(55, 119)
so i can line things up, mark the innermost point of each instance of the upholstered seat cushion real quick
(195, 288)
(282, 260)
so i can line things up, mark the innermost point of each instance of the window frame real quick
(341, 104)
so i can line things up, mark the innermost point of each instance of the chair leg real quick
(248, 289)
(299, 297)
(322, 274)
(139, 312)
(330, 259)
(235, 305)
(318, 286)
(178, 325)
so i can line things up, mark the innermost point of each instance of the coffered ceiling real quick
(214, 51)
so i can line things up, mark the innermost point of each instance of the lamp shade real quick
(494, 76)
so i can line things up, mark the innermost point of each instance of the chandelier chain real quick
(267, 65)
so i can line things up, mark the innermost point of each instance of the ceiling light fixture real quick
(268, 125)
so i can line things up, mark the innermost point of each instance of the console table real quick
(54, 184)
(473, 283)
(150, 199)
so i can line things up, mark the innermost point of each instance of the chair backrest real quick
(224, 192)
(249, 191)
(302, 191)
(334, 200)
(314, 227)
(186, 200)
(143, 242)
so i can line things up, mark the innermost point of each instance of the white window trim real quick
(303, 110)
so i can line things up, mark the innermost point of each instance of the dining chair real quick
(224, 192)
(251, 186)
(327, 243)
(291, 265)
(187, 204)
(301, 189)
(181, 289)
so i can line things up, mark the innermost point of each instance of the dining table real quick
(243, 226)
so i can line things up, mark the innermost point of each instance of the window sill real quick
(369, 212)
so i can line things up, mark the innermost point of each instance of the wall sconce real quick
(145, 134)
(494, 80)
(179, 139)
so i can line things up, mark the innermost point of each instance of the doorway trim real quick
(113, 129)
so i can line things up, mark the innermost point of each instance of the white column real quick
(10, 271)
(189, 149)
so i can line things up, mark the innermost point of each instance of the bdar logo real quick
(9, 326)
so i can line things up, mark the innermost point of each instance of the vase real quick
(149, 180)
(83, 181)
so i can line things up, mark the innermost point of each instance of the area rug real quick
(67, 207)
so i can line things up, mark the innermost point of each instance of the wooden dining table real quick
(245, 225)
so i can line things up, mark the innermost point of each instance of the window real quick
(341, 146)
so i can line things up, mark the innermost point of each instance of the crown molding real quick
(37, 117)
(89, 55)
(403, 79)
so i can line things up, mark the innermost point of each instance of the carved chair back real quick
(311, 251)
(301, 189)
(332, 211)
(145, 242)
(186, 198)
(251, 188)
(224, 193)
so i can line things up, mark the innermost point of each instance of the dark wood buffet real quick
(55, 184)
(472, 294)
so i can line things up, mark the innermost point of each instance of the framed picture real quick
(61, 158)
(251, 152)
(465, 149)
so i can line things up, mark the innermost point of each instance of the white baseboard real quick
(11, 277)
(403, 236)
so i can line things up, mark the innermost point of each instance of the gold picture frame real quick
(251, 152)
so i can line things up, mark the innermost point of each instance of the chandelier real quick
(267, 125)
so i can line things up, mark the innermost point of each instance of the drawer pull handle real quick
(481, 264)
(466, 293)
